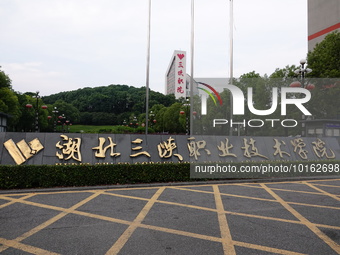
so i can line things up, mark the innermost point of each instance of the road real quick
(287, 217)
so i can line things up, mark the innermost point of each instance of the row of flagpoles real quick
(192, 62)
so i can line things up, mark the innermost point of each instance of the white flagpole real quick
(231, 60)
(192, 68)
(231, 38)
(147, 74)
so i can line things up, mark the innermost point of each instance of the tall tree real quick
(8, 99)
(324, 60)
(284, 73)
(172, 118)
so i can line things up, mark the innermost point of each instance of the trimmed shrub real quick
(44, 176)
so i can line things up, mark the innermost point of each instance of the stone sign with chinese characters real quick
(53, 148)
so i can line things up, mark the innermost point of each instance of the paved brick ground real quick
(300, 217)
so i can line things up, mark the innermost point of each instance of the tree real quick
(172, 119)
(8, 100)
(120, 100)
(27, 119)
(5, 81)
(324, 60)
(70, 112)
(160, 121)
(284, 73)
(325, 103)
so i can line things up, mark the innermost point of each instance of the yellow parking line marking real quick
(228, 194)
(306, 222)
(211, 210)
(249, 184)
(13, 202)
(323, 192)
(311, 205)
(246, 197)
(290, 190)
(25, 247)
(326, 185)
(326, 226)
(57, 217)
(227, 241)
(132, 188)
(327, 180)
(193, 190)
(20, 200)
(262, 217)
(299, 181)
(232, 195)
(230, 212)
(181, 233)
(151, 227)
(265, 248)
(53, 219)
(198, 185)
(297, 191)
(125, 196)
(129, 231)
(102, 217)
(219, 240)
(188, 206)
(255, 198)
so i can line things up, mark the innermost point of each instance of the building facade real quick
(175, 77)
(3, 121)
(323, 18)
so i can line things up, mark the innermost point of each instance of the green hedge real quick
(44, 176)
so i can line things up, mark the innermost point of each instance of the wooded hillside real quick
(107, 104)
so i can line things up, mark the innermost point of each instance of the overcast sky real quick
(61, 45)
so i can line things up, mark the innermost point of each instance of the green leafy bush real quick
(44, 176)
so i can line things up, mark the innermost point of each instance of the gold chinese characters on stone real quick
(70, 149)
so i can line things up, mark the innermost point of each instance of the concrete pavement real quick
(290, 217)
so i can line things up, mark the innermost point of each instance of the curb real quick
(154, 185)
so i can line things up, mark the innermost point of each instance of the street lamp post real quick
(67, 124)
(55, 112)
(37, 112)
(62, 121)
(186, 120)
(152, 115)
(36, 109)
(134, 122)
(188, 117)
(302, 71)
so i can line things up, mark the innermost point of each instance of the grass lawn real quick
(89, 129)
(106, 129)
